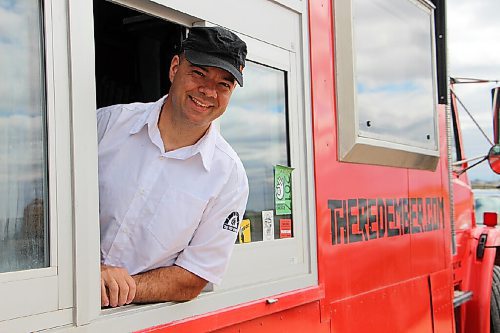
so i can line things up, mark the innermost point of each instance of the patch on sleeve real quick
(231, 222)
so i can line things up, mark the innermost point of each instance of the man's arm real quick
(172, 283)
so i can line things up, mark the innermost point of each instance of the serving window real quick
(264, 123)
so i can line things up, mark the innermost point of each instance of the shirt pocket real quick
(176, 219)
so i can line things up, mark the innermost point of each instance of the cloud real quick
(21, 78)
(473, 50)
(384, 55)
(404, 115)
(255, 126)
(22, 163)
(258, 136)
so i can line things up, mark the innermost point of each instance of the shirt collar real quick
(149, 117)
(205, 146)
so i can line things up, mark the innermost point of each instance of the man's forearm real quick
(171, 283)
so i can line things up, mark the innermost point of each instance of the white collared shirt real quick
(160, 208)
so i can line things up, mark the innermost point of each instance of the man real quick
(172, 191)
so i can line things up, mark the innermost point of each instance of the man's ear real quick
(174, 67)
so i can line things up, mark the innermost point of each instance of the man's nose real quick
(208, 89)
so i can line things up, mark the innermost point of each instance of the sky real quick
(21, 123)
(474, 52)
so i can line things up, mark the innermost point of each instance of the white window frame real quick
(266, 261)
(280, 53)
(361, 149)
(45, 294)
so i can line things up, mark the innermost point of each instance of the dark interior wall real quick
(133, 51)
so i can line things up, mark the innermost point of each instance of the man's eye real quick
(225, 85)
(198, 73)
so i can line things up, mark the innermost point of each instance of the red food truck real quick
(346, 111)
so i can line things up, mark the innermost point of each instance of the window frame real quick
(361, 149)
(292, 60)
(50, 288)
(262, 256)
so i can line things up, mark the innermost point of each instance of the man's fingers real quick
(104, 295)
(113, 292)
(123, 292)
(119, 286)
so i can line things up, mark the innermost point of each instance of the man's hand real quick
(117, 286)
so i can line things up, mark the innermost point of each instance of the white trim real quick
(155, 9)
(29, 274)
(27, 297)
(295, 5)
(250, 18)
(308, 180)
(84, 153)
(59, 147)
(36, 322)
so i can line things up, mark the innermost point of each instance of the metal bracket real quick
(481, 246)
(271, 300)
(461, 297)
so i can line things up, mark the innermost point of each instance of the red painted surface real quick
(400, 308)
(353, 273)
(478, 310)
(441, 284)
(430, 251)
(470, 273)
(305, 318)
(291, 303)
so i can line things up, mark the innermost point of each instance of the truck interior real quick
(133, 51)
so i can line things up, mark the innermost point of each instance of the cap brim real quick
(204, 59)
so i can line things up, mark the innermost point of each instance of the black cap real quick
(216, 47)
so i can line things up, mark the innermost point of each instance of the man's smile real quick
(200, 103)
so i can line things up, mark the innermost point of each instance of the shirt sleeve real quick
(210, 248)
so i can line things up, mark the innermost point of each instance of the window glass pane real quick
(394, 72)
(256, 127)
(487, 200)
(23, 180)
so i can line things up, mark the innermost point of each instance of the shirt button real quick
(127, 232)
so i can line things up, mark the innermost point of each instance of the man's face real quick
(199, 94)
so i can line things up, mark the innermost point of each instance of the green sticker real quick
(283, 189)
